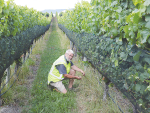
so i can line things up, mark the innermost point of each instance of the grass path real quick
(43, 100)
(89, 94)
(33, 95)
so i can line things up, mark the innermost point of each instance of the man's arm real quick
(78, 69)
(62, 70)
(71, 76)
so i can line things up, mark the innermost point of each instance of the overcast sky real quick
(48, 4)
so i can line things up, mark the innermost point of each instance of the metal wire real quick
(13, 75)
(108, 93)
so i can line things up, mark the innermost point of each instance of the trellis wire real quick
(74, 37)
(85, 59)
(13, 75)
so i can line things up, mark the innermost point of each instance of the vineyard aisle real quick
(38, 98)
(43, 99)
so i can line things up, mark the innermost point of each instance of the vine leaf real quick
(145, 34)
(119, 9)
(135, 2)
(136, 18)
(147, 18)
(137, 87)
(144, 76)
(119, 41)
(148, 10)
(142, 8)
(146, 60)
(123, 55)
(116, 63)
(148, 25)
(137, 56)
(148, 88)
(147, 3)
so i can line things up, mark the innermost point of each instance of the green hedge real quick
(11, 48)
(124, 65)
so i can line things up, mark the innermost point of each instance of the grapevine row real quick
(121, 19)
(117, 43)
(19, 27)
(15, 19)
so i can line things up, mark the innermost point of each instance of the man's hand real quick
(78, 69)
(79, 78)
(83, 73)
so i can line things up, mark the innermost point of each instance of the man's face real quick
(69, 56)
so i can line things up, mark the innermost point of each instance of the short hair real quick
(69, 50)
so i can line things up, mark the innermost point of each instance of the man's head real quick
(69, 55)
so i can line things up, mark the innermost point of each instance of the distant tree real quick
(42, 13)
(61, 14)
(47, 14)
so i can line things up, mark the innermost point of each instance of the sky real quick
(41, 5)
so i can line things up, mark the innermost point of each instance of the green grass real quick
(90, 92)
(40, 99)
(89, 95)
(17, 89)
(43, 99)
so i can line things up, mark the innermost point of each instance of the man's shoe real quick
(73, 89)
(51, 87)
(70, 89)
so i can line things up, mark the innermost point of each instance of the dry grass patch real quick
(90, 92)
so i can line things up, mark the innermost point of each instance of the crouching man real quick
(63, 68)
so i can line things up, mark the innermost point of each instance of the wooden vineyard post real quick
(42, 37)
(18, 61)
(106, 88)
(84, 59)
(28, 52)
(75, 51)
(8, 75)
(24, 57)
(16, 68)
(71, 45)
(31, 48)
(134, 109)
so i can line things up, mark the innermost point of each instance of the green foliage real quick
(11, 48)
(124, 65)
(19, 27)
(47, 14)
(113, 18)
(127, 23)
(77, 20)
(15, 19)
(61, 14)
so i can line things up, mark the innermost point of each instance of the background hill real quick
(54, 10)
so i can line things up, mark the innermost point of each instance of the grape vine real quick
(127, 23)
(15, 19)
